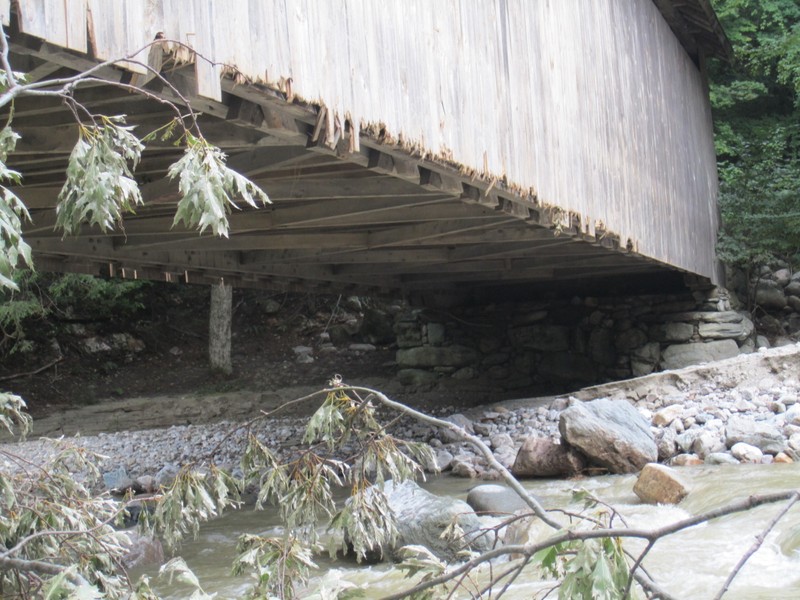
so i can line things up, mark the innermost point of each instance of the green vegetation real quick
(55, 297)
(756, 104)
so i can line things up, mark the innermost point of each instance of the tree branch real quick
(512, 482)
(757, 544)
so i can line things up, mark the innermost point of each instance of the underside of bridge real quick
(351, 211)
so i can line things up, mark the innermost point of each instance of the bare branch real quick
(757, 544)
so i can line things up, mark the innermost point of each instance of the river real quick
(691, 565)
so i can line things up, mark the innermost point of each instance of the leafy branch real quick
(100, 187)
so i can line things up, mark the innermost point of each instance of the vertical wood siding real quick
(593, 104)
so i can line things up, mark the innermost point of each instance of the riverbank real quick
(691, 410)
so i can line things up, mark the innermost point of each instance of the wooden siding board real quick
(594, 105)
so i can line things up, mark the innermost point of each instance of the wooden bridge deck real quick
(353, 207)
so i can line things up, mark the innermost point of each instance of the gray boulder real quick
(769, 295)
(612, 434)
(422, 517)
(142, 550)
(678, 356)
(720, 331)
(761, 434)
(494, 499)
(544, 457)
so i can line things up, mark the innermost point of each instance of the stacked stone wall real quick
(557, 345)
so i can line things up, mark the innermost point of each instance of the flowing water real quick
(692, 564)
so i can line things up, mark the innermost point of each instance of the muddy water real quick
(691, 565)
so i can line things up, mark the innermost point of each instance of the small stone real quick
(482, 429)
(667, 415)
(782, 457)
(362, 347)
(463, 467)
(658, 484)
(686, 460)
(166, 476)
(147, 483)
(720, 458)
(448, 436)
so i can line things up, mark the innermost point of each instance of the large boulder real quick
(544, 457)
(422, 517)
(612, 434)
(738, 331)
(678, 356)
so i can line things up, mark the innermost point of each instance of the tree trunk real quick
(219, 328)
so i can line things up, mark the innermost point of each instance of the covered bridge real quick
(406, 146)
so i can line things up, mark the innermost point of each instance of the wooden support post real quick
(219, 327)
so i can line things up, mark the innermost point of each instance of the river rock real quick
(448, 436)
(678, 356)
(782, 457)
(658, 484)
(763, 435)
(721, 458)
(142, 550)
(545, 457)
(118, 482)
(611, 433)
(422, 517)
(495, 499)
(707, 443)
(665, 442)
(166, 475)
(667, 415)
(747, 453)
(686, 460)
(464, 466)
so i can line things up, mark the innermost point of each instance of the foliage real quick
(756, 104)
(72, 295)
(100, 187)
(13, 249)
(208, 187)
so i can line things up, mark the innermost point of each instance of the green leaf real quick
(209, 189)
(99, 187)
